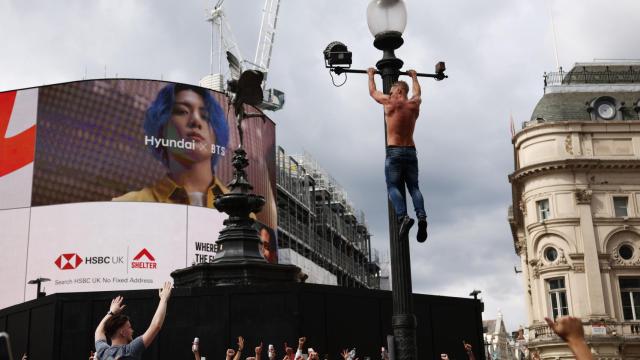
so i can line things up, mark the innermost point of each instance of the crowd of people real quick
(116, 327)
(114, 338)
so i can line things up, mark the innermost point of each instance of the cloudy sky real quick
(496, 52)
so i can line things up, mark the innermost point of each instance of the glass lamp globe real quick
(386, 15)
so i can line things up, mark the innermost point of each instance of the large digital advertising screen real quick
(110, 184)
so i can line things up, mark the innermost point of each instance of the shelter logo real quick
(139, 261)
(68, 261)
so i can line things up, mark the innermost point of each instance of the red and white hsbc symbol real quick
(144, 260)
(68, 261)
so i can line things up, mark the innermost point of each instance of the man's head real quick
(189, 113)
(119, 327)
(399, 89)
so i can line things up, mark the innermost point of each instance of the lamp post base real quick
(236, 273)
(404, 336)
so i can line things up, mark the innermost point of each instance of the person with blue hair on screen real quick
(185, 128)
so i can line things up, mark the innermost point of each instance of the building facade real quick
(498, 344)
(575, 217)
(319, 230)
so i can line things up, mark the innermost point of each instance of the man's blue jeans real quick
(400, 168)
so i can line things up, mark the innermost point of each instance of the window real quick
(626, 252)
(551, 254)
(620, 205)
(630, 296)
(558, 297)
(543, 209)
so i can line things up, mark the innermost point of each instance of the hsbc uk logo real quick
(71, 261)
(68, 261)
(144, 260)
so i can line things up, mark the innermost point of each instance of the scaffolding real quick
(317, 220)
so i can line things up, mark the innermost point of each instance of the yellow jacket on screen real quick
(167, 191)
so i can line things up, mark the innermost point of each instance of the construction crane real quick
(273, 98)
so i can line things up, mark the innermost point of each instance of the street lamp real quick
(387, 20)
(386, 16)
(38, 282)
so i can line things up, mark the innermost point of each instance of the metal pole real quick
(403, 321)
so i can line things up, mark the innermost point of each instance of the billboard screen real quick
(119, 177)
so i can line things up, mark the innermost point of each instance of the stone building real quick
(497, 341)
(575, 216)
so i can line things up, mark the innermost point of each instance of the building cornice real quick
(549, 127)
(542, 225)
(573, 165)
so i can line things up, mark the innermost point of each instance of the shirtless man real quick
(401, 164)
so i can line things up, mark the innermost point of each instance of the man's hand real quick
(165, 291)
(258, 350)
(467, 347)
(240, 343)
(301, 342)
(345, 354)
(412, 73)
(570, 330)
(230, 353)
(567, 327)
(371, 71)
(116, 305)
(289, 351)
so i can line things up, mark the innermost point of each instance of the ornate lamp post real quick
(387, 20)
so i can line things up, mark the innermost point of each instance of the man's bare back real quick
(401, 112)
(401, 161)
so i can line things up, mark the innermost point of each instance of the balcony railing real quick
(541, 332)
(584, 75)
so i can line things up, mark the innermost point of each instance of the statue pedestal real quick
(235, 273)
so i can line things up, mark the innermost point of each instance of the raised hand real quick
(240, 343)
(116, 305)
(567, 327)
(259, 350)
(165, 291)
(371, 71)
(412, 73)
(345, 354)
(301, 342)
(289, 351)
(570, 330)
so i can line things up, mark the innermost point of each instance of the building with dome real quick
(575, 217)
